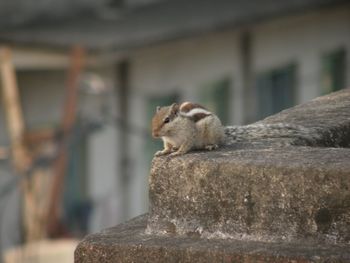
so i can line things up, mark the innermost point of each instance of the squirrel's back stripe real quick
(188, 106)
(194, 111)
(199, 116)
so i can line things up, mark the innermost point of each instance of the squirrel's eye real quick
(166, 120)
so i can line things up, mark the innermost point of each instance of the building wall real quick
(105, 187)
(42, 97)
(183, 67)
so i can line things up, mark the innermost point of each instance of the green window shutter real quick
(333, 71)
(275, 91)
(154, 145)
(216, 96)
(265, 96)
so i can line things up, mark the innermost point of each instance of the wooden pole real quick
(13, 111)
(20, 155)
(68, 119)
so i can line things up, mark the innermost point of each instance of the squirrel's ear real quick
(174, 108)
(158, 108)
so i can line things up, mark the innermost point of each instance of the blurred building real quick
(244, 60)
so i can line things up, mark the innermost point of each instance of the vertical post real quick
(13, 110)
(123, 96)
(20, 155)
(77, 61)
(249, 106)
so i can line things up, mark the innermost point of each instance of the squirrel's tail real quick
(291, 134)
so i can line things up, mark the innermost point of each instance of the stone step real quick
(128, 243)
(268, 199)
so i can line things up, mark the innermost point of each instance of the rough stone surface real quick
(330, 115)
(253, 191)
(262, 194)
(251, 201)
(129, 243)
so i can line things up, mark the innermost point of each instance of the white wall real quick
(104, 181)
(183, 67)
(104, 186)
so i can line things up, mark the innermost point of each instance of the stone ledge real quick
(128, 243)
(247, 202)
(329, 114)
(259, 191)
(262, 194)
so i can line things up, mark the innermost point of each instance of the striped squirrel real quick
(186, 127)
(190, 126)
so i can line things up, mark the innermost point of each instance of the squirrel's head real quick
(162, 121)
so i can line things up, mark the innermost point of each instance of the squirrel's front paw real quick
(159, 153)
(211, 147)
(177, 153)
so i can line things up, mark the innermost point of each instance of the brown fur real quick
(163, 113)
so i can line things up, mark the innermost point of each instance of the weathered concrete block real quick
(128, 243)
(257, 192)
(252, 201)
(261, 194)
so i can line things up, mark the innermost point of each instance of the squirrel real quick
(190, 126)
(187, 127)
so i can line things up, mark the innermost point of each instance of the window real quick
(275, 91)
(216, 96)
(333, 71)
(154, 145)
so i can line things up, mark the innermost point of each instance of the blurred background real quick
(80, 81)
